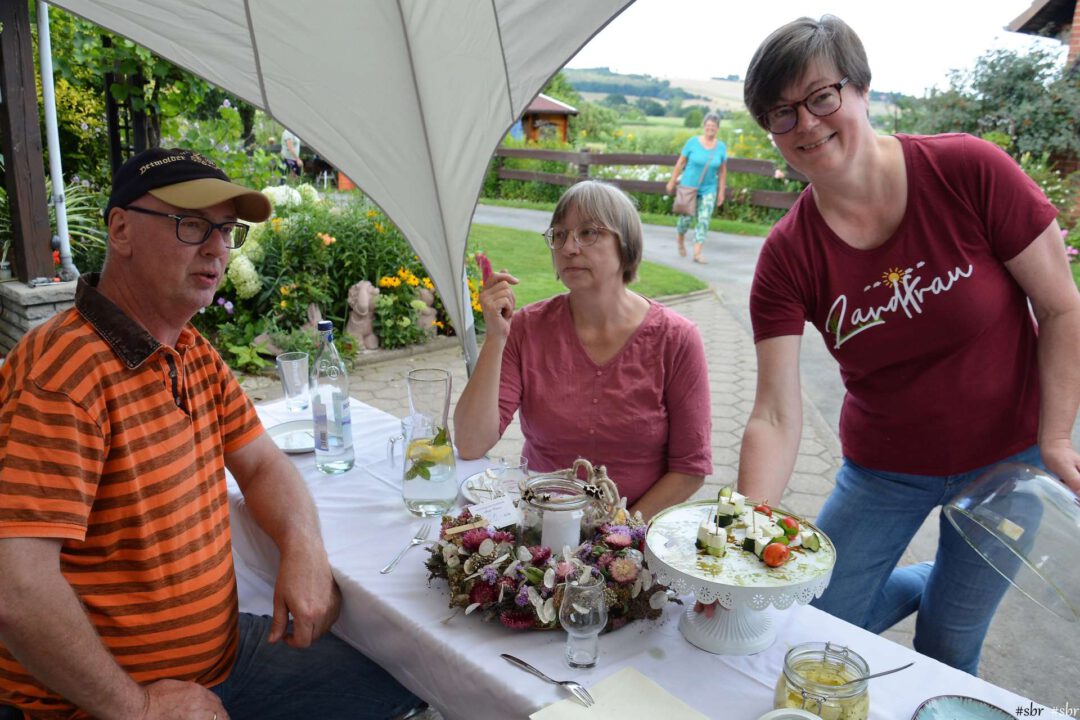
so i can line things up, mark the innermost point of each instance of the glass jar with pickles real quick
(816, 677)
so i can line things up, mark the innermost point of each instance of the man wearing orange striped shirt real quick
(117, 422)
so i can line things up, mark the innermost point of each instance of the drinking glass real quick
(511, 472)
(429, 473)
(293, 369)
(583, 614)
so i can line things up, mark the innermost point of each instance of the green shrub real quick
(311, 252)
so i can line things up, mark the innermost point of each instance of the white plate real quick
(958, 707)
(294, 437)
(477, 488)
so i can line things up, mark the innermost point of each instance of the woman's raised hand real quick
(498, 302)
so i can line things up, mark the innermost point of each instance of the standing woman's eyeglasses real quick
(821, 102)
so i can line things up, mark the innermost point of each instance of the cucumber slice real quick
(725, 492)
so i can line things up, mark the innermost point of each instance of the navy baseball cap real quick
(184, 179)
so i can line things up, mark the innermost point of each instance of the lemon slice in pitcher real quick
(423, 451)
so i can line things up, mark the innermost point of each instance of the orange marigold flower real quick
(327, 239)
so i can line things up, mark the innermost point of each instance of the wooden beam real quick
(20, 141)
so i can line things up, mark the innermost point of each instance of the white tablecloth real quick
(401, 621)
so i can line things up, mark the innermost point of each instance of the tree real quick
(650, 107)
(559, 87)
(594, 122)
(161, 97)
(615, 100)
(1030, 98)
(694, 117)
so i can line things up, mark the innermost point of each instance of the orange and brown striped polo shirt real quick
(116, 443)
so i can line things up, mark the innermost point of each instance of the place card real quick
(500, 511)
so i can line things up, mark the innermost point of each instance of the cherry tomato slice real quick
(776, 554)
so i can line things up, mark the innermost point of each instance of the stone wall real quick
(23, 307)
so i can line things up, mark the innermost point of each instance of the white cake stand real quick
(742, 584)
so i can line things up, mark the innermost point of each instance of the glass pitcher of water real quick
(429, 479)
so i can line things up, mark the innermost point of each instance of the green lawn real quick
(733, 227)
(528, 259)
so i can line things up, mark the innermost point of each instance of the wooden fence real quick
(584, 160)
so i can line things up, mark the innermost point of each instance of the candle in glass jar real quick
(561, 529)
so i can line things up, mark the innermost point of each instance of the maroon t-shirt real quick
(936, 344)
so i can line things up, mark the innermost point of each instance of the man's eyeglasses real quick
(822, 102)
(585, 235)
(195, 230)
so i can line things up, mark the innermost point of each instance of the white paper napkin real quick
(626, 694)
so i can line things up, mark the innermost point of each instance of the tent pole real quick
(68, 271)
(468, 334)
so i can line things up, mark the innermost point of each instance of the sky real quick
(911, 45)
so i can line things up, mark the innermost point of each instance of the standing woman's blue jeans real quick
(871, 517)
(706, 203)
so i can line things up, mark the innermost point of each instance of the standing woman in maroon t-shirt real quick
(915, 257)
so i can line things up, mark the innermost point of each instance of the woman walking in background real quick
(702, 165)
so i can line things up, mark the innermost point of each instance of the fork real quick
(576, 689)
(418, 538)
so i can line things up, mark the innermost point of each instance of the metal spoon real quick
(874, 675)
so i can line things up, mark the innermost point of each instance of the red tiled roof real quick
(1054, 15)
(549, 105)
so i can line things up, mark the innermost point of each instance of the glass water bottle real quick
(330, 406)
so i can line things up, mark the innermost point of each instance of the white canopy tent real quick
(409, 98)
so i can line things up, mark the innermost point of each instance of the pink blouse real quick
(643, 413)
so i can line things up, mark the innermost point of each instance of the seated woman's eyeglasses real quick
(585, 235)
(821, 102)
(195, 230)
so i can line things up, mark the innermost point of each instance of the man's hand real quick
(670, 186)
(176, 700)
(498, 301)
(306, 590)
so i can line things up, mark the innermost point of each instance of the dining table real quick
(403, 619)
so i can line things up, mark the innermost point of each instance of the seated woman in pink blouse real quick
(599, 372)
